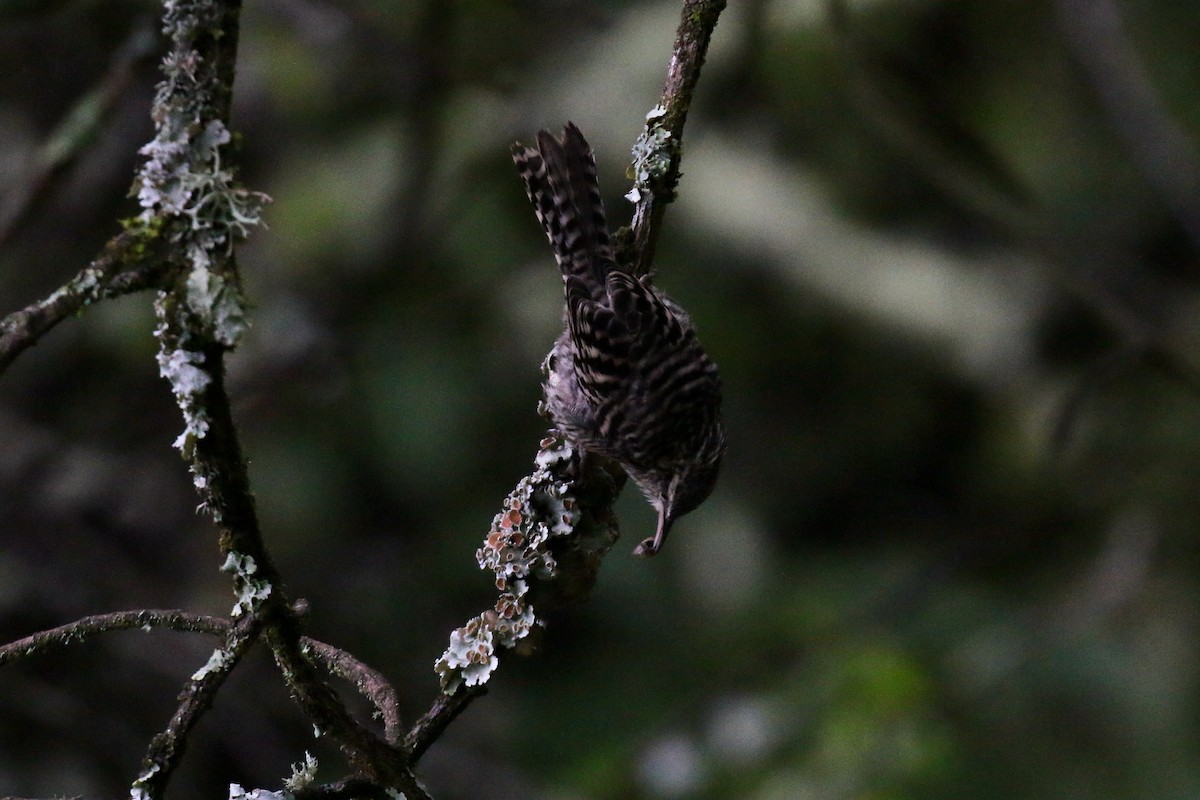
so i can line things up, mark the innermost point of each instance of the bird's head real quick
(682, 489)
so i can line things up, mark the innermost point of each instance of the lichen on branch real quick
(185, 184)
(542, 526)
(188, 191)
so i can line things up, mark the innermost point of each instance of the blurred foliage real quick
(954, 550)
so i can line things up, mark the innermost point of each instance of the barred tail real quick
(560, 179)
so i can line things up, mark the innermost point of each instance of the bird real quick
(627, 379)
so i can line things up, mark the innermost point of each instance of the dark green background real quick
(953, 552)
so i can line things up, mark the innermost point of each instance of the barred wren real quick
(627, 379)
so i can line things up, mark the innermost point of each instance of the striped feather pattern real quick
(629, 379)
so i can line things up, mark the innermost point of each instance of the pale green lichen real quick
(138, 790)
(184, 179)
(213, 298)
(304, 774)
(651, 157)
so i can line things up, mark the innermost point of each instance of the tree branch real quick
(188, 188)
(445, 709)
(658, 152)
(83, 629)
(77, 130)
(127, 264)
(370, 683)
(367, 753)
(167, 748)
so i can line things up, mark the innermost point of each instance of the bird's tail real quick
(560, 179)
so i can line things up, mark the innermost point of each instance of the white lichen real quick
(218, 660)
(239, 563)
(212, 298)
(182, 368)
(470, 658)
(138, 790)
(236, 792)
(250, 590)
(183, 178)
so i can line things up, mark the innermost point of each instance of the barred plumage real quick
(627, 379)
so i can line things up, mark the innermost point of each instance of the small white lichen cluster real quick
(304, 774)
(138, 790)
(236, 792)
(217, 661)
(182, 369)
(651, 156)
(87, 285)
(250, 590)
(517, 548)
(470, 658)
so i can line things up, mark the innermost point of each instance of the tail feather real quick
(560, 179)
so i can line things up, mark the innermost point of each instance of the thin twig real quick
(83, 629)
(369, 682)
(372, 684)
(126, 265)
(77, 130)
(366, 752)
(167, 748)
(439, 716)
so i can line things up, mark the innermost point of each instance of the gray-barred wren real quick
(627, 379)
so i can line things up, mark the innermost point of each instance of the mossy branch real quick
(659, 150)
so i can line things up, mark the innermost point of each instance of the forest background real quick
(944, 252)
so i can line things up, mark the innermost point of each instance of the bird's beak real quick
(651, 547)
